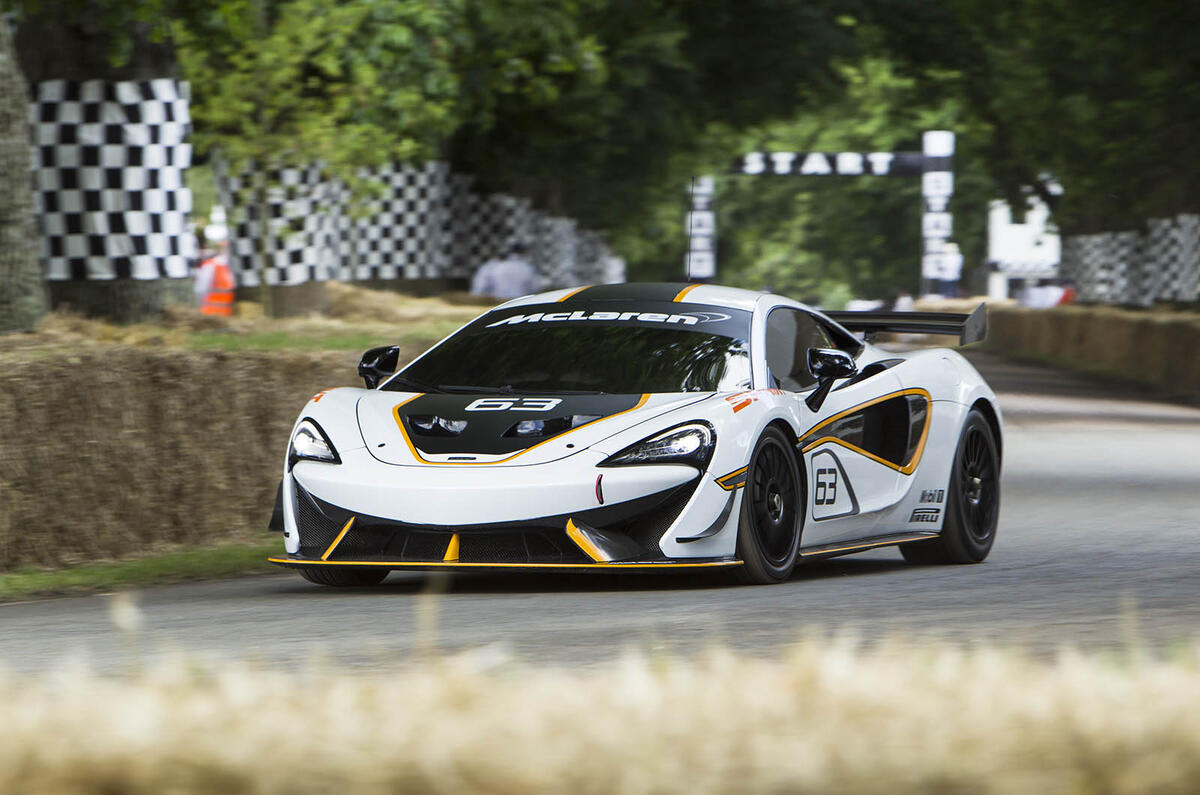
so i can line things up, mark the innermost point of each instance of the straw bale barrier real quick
(1157, 348)
(825, 717)
(110, 451)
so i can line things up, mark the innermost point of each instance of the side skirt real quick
(848, 547)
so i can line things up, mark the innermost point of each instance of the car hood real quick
(499, 429)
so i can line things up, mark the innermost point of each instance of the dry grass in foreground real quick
(827, 717)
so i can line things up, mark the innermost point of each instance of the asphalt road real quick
(1099, 545)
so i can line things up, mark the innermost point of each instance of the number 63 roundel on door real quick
(832, 494)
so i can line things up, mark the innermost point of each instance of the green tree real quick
(825, 239)
(22, 294)
(346, 83)
(1102, 94)
(620, 132)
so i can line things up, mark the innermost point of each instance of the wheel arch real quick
(985, 407)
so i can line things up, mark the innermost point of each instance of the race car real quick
(647, 427)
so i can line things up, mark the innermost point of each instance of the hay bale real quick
(115, 450)
(1158, 348)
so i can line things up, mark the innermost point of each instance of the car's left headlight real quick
(309, 443)
(684, 444)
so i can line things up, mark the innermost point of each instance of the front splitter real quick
(582, 568)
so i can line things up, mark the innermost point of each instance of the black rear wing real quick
(968, 328)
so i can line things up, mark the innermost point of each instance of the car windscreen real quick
(605, 346)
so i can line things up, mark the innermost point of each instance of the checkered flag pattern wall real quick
(1174, 257)
(1137, 268)
(303, 212)
(400, 236)
(108, 166)
(421, 222)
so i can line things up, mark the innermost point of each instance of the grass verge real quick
(192, 564)
(825, 717)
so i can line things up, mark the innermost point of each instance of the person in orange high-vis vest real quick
(214, 284)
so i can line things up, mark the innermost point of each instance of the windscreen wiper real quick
(471, 389)
(508, 389)
(540, 391)
(416, 385)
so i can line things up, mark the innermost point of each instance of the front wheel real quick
(344, 577)
(768, 539)
(973, 505)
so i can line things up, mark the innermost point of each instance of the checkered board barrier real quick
(317, 232)
(418, 222)
(108, 167)
(109, 159)
(1137, 268)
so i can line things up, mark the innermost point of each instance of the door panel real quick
(847, 452)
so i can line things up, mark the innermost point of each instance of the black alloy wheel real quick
(973, 502)
(772, 512)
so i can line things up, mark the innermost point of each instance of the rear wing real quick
(968, 328)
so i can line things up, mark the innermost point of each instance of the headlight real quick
(309, 443)
(685, 444)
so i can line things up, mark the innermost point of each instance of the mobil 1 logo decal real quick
(925, 514)
(830, 490)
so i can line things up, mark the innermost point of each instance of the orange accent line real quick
(413, 449)
(907, 469)
(679, 295)
(573, 292)
(400, 564)
(724, 479)
(338, 540)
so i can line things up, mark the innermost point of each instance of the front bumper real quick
(614, 535)
(296, 562)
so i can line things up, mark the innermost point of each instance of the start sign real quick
(934, 164)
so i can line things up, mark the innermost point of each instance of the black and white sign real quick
(941, 261)
(109, 159)
(702, 231)
(851, 164)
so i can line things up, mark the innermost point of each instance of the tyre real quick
(768, 541)
(973, 502)
(344, 577)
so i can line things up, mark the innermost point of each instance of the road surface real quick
(1098, 547)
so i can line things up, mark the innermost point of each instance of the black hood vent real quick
(453, 424)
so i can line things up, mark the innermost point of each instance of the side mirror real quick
(378, 363)
(827, 365)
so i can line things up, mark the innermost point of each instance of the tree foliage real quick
(604, 109)
(346, 82)
(829, 238)
(1104, 95)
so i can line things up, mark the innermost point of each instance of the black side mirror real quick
(827, 365)
(378, 363)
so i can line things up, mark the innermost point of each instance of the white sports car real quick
(647, 427)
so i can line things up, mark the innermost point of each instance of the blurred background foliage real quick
(604, 109)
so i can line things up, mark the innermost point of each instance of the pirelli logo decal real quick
(684, 319)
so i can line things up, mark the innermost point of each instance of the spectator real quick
(1069, 292)
(508, 277)
(214, 282)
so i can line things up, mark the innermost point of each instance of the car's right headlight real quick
(309, 443)
(691, 443)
